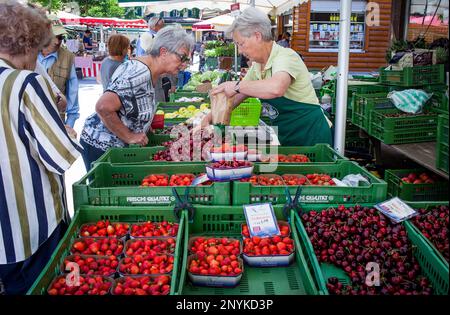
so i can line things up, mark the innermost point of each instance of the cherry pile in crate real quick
(433, 224)
(350, 238)
(98, 254)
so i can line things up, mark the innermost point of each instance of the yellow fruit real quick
(191, 108)
(160, 112)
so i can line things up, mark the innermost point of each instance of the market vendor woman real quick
(280, 79)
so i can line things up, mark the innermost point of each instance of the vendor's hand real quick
(138, 138)
(206, 120)
(173, 89)
(61, 103)
(226, 87)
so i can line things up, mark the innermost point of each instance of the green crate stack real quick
(442, 143)
(246, 193)
(406, 129)
(428, 206)
(179, 94)
(414, 192)
(364, 104)
(119, 185)
(86, 214)
(320, 153)
(354, 87)
(431, 264)
(417, 76)
(219, 221)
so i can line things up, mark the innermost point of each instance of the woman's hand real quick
(227, 88)
(138, 138)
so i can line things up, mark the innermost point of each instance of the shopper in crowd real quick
(279, 78)
(60, 66)
(118, 46)
(87, 40)
(36, 151)
(284, 41)
(154, 25)
(125, 111)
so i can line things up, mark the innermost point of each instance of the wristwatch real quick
(236, 87)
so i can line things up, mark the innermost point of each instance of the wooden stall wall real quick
(377, 41)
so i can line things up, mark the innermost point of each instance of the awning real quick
(272, 7)
(218, 23)
(107, 22)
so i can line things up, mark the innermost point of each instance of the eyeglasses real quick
(183, 58)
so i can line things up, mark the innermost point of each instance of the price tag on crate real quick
(200, 180)
(396, 210)
(261, 220)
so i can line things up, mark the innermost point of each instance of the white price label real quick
(396, 210)
(261, 220)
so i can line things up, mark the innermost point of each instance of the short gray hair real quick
(171, 37)
(252, 20)
(153, 21)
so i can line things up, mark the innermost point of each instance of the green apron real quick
(299, 124)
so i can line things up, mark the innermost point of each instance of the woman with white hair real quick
(280, 79)
(126, 109)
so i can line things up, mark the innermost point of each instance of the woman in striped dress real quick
(35, 151)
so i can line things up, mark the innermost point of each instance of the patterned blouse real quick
(132, 82)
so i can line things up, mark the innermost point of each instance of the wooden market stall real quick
(314, 26)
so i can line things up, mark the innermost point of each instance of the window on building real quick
(324, 26)
(287, 22)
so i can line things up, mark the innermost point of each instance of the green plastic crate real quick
(115, 214)
(364, 104)
(157, 139)
(320, 153)
(129, 155)
(413, 76)
(439, 102)
(414, 192)
(179, 94)
(118, 185)
(356, 87)
(442, 136)
(431, 265)
(247, 113)
(442, 143)
(246, 193)
(399, 130)
(295, 279)
(367, 78)
(442, 157)
(411, 225)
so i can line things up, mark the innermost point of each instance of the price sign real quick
(261, 220)
(396, 210)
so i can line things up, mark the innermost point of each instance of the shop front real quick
(314, 27)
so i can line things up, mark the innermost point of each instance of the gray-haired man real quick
(154, 25)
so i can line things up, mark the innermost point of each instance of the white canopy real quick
(219, 23)
(272, 7)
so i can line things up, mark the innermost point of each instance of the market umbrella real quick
(272, 7)
(219, 23)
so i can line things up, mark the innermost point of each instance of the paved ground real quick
(88, 95)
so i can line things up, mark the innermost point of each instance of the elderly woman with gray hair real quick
(36, 151)
(126, 109)
(280, 79)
